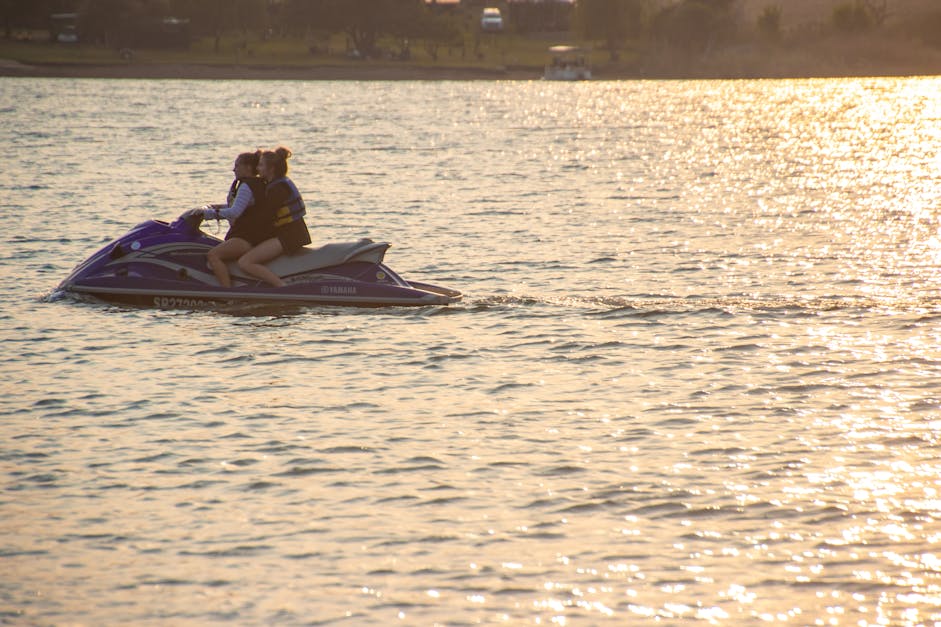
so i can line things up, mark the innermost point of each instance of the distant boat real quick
(567, 63)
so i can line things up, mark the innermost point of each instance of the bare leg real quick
(229, 249)
(253, 261)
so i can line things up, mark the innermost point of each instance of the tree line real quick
(119, 22)
(691, 26)
(698, 26)
(365, 22)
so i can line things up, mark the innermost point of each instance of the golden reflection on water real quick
(709, 395)
(865, 162)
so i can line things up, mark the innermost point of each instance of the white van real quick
(491, 20)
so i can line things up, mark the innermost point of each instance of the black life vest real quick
(256, 184)
(254, 218)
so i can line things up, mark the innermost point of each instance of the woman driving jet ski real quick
(244, 209)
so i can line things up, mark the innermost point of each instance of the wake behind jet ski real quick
(160, 264)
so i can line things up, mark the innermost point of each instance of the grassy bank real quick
(492, 57)
(490, 53)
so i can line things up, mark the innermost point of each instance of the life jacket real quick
(290, 210)
(253, 219)
(256, 184)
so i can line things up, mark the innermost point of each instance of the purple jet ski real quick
(160, 264)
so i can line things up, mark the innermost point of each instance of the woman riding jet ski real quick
(178, 265)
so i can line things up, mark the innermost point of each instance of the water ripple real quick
(693, 379)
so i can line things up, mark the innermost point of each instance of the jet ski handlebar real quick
(191, 219)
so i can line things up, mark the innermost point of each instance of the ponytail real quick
(278, 158)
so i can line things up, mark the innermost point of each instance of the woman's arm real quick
(243, 200)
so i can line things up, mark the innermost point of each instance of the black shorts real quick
(292, 236)
(252, 231)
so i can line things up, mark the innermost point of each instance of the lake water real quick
(695, 376)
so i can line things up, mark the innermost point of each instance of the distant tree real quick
(132, 23)
(531, 17)
(436, 31)
(926, 28)
(878, 11)
(215, 18)
(300, 16)
(155, 8)
(695, 26)
(769, 22)
(250, 16)
(207, 17)
(365, 21)
(20, 14)
(613, 21)
(852, 17)
(102, 21)
(12, 13)
(411, 21)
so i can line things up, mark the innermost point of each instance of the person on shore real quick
(284, 212)
(244, 209)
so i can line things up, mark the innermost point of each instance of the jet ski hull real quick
(168, 295)
(164, 265)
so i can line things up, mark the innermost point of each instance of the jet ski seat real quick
(333, 254)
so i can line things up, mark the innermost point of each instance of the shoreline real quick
(198, 71)
(852, 59)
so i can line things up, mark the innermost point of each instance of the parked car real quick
(491, 20)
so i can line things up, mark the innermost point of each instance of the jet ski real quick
(161, 264)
